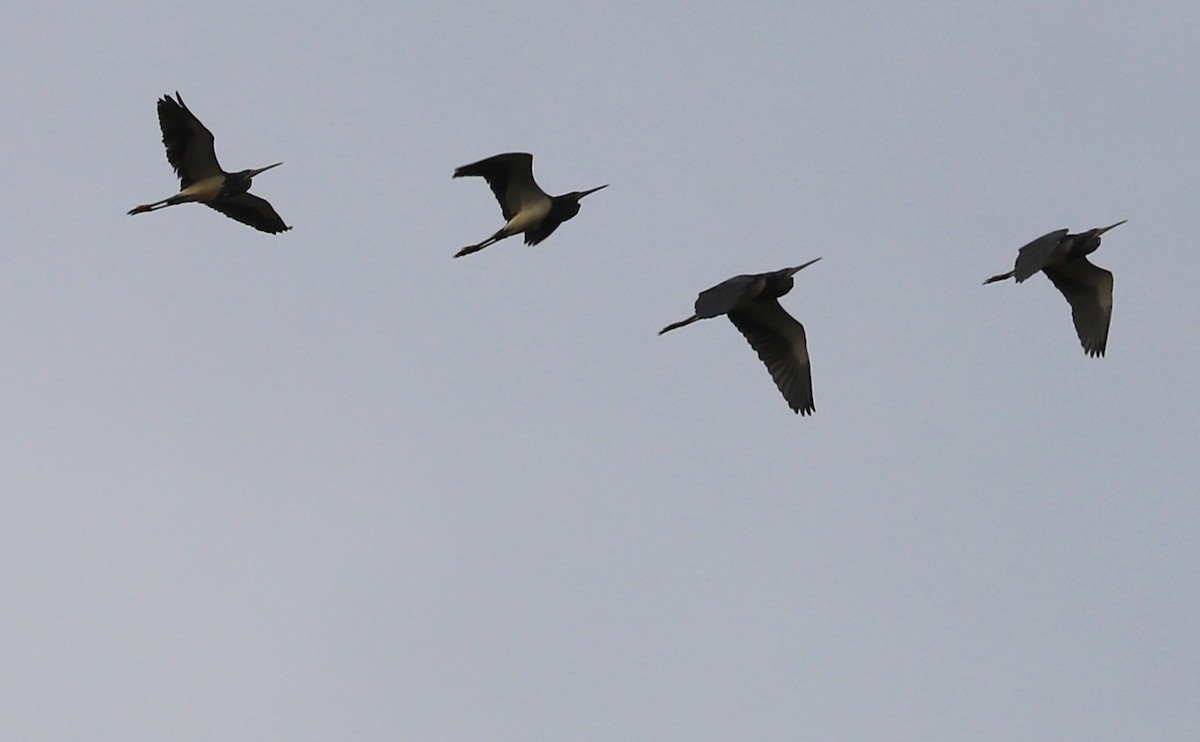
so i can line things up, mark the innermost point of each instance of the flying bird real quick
(525, 206)
(752, 304)
(190, 151)
(1087, 287)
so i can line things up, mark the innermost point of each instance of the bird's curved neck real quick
(1082, 244)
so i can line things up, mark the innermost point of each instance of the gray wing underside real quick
(1089, 290)
(780, 343)
(1032, 258)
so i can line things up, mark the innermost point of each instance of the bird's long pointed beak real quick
(263, 169)
(1111, 226)
(797, 269)
(593, 190)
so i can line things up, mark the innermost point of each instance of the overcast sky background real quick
(334, 484)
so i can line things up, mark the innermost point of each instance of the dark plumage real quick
(751, 303)
(525, 206)
(1087, 287)
(190, 151)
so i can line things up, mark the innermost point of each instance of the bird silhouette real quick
(525, 206)
(751, 302)
(1087, 287)
(190, 151)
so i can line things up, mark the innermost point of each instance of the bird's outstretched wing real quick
(252, 210)
(1032, 258)
(780, 343)
(189, 143)
(728, 295)
(1089, 291)
(510, 176)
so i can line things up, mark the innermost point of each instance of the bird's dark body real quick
(1080, 245)
(190, 151)
(1086, 287)
(235, 184)
(742, 291)
(562, 209)
(751, 301)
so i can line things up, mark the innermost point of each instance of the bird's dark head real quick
(793, 271)
(781, 281)
(1090, 240)
(1101, 230)
(569, 203)
(580, 194)
(242, 178)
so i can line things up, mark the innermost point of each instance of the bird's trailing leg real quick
(186, 196)
(154, 206)
(206, 189)
(681, 323)
(486, 243)
(1000, 277)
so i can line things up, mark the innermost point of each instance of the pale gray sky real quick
(336, 485)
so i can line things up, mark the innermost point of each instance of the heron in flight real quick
(525, 206)
(752, 304)
(190, 151)
(1087, 287)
